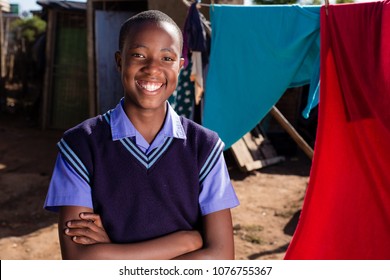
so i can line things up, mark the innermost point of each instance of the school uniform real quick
(141, 191)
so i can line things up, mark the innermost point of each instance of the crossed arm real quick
(82, 236)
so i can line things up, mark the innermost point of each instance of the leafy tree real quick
(28, 29)
(316, 2)
(23, 35)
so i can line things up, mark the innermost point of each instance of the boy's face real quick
(149, 64)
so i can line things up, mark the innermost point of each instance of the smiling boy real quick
(140, 182)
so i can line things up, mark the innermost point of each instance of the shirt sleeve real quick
(217, 191)
(67, 188)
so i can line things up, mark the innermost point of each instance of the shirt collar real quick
(122, 127)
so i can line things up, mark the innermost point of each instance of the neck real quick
(147, 122)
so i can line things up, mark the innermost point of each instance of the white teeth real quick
(149, 86)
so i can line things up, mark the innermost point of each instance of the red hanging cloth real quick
(346, 211)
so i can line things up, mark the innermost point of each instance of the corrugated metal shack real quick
(104, 21)
(81, 79)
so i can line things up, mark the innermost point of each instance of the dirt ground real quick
(271, 198)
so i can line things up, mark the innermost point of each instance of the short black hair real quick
(153, 16)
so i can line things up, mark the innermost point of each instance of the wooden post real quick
(48, 78)
(292, 132)
(92, 99)
(2, 44)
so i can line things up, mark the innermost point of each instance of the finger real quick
(86, 224)
(93, 217)
(88, 216)
(84, 234)
(80, 232)
(84, 228)
(83, 240)
(94, 237)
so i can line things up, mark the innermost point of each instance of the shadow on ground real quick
(288, 229)
(298, 164)
(27, 156)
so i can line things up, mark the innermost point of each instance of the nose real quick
(152, 66)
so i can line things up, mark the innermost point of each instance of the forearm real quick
(206, 254)
(217, 237)
(210, 253)
(166, 247)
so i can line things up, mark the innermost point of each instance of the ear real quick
(118, 60)
(181, 63)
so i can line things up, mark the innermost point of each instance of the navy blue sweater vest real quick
(138, 196)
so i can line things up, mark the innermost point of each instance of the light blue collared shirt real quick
(67, 188)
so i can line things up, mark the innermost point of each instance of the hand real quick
(88, 230)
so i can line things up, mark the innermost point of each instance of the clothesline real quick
(188, 3)
(273, 110)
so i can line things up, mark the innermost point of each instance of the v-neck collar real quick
(124, 131)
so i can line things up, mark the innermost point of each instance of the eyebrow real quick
(139, 46)
(167, 50)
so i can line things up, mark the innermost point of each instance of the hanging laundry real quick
(197, 75)
(257, 52)
(183, 98)
(196, 52)
(365, 88)
(346, 210)
(194, 34)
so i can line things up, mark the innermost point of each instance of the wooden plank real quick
(292, 132)
(259, 146)
(248, 156)
(258, 138)
(49, 57)
(252, 146)
(263, 163)
(241, 154)
(92, 109)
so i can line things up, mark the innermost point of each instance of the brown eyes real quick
(165, 58)
(137, 55)
(168, 59)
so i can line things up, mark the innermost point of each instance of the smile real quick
(149, 86)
